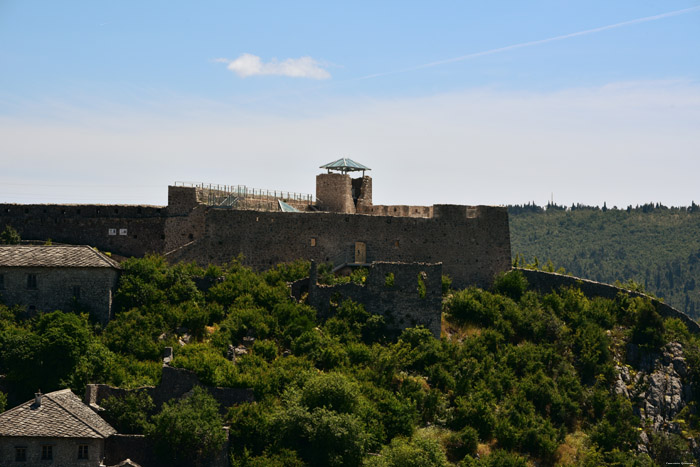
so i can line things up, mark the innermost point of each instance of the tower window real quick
(20, 454)
(82, 451)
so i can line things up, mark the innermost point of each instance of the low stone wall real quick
(175, 382)
(545, 282)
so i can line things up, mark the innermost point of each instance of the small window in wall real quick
(46, 452)
(122, 232)
(76, 292)
(111, 231)
(2, 281)
(313, 243)
(83, 451)
(20, 454)
(396, 243)
(31, 281)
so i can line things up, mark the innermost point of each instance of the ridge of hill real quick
(517, 378)
(656, 247)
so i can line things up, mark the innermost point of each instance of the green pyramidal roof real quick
(345, 165)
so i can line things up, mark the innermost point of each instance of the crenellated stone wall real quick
(472, 242)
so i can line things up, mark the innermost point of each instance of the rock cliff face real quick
(657, 383)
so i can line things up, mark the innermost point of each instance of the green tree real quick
(189, 431)
(129, 413)
(9, 236)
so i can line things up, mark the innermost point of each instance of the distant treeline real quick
(655, 247)
(515, 209)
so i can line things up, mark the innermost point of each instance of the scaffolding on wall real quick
(244, 197)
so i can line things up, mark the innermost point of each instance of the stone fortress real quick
(215, 223)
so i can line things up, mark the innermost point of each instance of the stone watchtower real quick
(336, 191)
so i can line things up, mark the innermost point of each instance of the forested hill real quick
(655, 246)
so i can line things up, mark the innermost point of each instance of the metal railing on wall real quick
(244, 197)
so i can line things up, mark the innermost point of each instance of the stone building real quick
(52, 277)
(215, 223)
(53, 429)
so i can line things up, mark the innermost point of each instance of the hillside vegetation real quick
(652, 245)
(517, 379)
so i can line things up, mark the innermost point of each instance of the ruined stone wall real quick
(545, 282)
(175, 382)
(396, 210)
(472, 250)
(473, 243)
(392, 290)
(55, 289)
(363, 189)
(124, 230)
(334, 193)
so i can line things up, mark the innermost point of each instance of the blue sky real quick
(449, 102)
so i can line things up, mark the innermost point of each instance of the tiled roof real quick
(67, 256)
(345, 164)
(60, 415)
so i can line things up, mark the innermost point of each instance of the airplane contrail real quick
(531, 43)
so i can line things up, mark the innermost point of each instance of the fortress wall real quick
(396, 210)
(472, 250)
(546, 282)
(89, 224)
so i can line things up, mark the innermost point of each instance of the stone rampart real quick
(175, 383)
(546, 282)
(473, 243)
(406, 295)
(124, 230)
(472, 250)
(397, 210)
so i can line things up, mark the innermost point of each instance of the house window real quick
(31, 281)
(20, 454)
(2, 281)
(76, 292)
(46, 452)
(82, 451)
(313, 241)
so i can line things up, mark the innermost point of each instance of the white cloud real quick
(251, 65)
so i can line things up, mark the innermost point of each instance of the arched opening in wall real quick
(422, 288)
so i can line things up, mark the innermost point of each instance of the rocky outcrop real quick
(657, 385)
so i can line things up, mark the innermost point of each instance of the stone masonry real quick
(472, 242)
